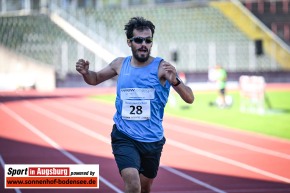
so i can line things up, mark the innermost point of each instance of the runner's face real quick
(141, 52)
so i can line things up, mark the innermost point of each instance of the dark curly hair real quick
(138, 23)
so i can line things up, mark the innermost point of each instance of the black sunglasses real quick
(139, 40)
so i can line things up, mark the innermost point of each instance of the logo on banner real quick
(51, 176)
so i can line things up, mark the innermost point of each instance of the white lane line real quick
(177, 128)
(194, 150)
(2, 162)
(194, 180)
(219, 127)
(95, 135)
(80, 112)
(52, 143)
(202, 124)
(227, 141)
(187, 131)
(70, 123)
(226, 160)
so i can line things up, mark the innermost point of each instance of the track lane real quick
(49, 110)
(210, 177)
(53, 132)
(254, 170)
(45, 132)
(266, 166)
(239, 157)
(241, 138)
(250, 141)
(248, 161)
(258, 140)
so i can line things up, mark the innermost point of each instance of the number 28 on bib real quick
(136, 109)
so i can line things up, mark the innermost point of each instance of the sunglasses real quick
(139, 40)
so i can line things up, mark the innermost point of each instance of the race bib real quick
(136, 109)
(136, 103)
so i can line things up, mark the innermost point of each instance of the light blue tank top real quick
(140, 101)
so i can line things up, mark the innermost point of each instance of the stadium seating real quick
(200, 35)
(35, 36)
(274, 14)
(189, 31)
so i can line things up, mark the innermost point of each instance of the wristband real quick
(178, 81)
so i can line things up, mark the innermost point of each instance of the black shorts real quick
(129, 153)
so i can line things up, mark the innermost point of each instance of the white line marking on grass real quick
(224, 140)
(87, 131)
(226, 160)
(2, 162)
(52, 143)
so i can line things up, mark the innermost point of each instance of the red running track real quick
(65, 127)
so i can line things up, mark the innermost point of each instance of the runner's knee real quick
(131, 179)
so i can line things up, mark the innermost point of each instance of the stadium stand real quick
(190, 31)
(37, 37)
(193, 35)
(274, 14)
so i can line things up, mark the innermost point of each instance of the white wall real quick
(20, 72)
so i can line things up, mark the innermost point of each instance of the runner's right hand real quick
(82, 66)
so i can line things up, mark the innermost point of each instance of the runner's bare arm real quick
(94, 78)
(168, 72)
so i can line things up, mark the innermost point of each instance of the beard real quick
(142, 57)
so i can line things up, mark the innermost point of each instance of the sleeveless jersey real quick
(140, 101)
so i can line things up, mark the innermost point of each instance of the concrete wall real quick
(19, 72)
